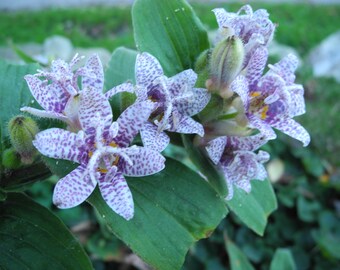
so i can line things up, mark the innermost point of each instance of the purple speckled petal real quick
(294, 130)
(194, 102)
(264, 128)
(215, 148)
(297, 101)
(145, 162)
(60, 144)
(73, 189)
(94, 67)
(50, 97)
(179, 83)
(187, 125)
(221, 16)
(117, 195)
(240, 87)
(147, 69)
(286, 68)
(132, 120)
(125, 87)
(250, 143)
(154, 139)
(45, 114)
(256, 65)
(92, 105)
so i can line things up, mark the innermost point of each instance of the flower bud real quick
(22, 130)
(225, 64)
(11, 159)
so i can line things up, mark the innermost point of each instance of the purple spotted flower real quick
(253, 28)
(237, 160)
(271, 101)
(58, 91)
(103, 152)
(176, 101)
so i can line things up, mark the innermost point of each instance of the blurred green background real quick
(308, 219)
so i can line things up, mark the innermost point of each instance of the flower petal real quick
(51, 97)
(250, 143)
(94, 68)
(294, 130)
(61, 144)
(154, 139)
(45, 114)
(117, 195)
(145, 162)
(124, 87)
(73, 189)
(93, 104)
(215, 148)
(264, 128)
(256, 65)
(194, 102)
(240, 87)
(132, 120)
(178, 84)
(187, 125)
(147, 69)
(221, 16)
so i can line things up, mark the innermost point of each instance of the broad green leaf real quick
(173, 209)
(199, 158)
(121, 68)
(238, 260)
(170, 31)
(254, 208)
(283, 260)
(31, 237)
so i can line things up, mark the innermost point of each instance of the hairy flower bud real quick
(22, 130)
(225, 64)
(11, 159)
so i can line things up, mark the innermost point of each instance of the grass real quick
(299, 26)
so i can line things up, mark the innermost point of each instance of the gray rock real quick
(325, 58)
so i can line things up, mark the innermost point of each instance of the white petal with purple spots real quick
(145, 162)
(95, 79)
(73, 189)
(294, 130)
(154, 139)
(125, 87)
(147, 69)
(215, 148)
(132, 120)
(117, 195)
(61, 144)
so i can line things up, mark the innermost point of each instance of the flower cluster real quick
(104, 149)
(253, 103)
(249, 105)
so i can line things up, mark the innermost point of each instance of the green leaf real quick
(238, 260)
(173, 209)
(24, 56)
(121, 68)
(199, 158)
(170, 31)
(254, 208)
(33, 238)
(283, 260)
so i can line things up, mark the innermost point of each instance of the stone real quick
(325, 58)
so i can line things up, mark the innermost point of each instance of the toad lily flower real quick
(273, 99)
(239, 164)
(103, 153)
(253, 28)
(175, 98)
(59, 94)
